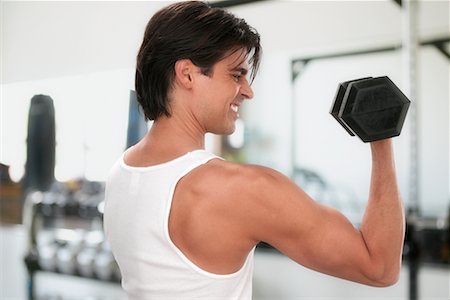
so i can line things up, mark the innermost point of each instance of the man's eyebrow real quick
(242, 70)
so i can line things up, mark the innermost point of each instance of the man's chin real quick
(230, 131)
(226, 131)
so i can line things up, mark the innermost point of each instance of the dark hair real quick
(187, 30)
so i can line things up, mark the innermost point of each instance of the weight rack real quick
(65, 234)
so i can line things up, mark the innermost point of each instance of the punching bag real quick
(40, 164)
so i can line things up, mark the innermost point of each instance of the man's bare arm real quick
(321, 238)
(383, 226)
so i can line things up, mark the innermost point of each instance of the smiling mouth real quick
(234, 108)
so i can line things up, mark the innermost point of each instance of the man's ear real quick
(184, 71)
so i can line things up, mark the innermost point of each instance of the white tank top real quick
(137, 206)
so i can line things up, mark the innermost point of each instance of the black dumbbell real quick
(371, 108)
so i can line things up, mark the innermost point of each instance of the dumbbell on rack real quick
(89, 259)
(73, 251)
(371, 108)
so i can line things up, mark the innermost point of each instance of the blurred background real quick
(68, 111)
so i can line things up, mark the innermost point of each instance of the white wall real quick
(50, 39)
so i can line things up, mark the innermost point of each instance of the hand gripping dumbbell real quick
(371, 108)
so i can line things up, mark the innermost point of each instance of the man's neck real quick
(166, 140)
(176, 135)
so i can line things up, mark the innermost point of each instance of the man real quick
(183, 223)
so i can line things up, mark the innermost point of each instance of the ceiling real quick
(53, 39)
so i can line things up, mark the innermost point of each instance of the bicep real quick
(313, 235)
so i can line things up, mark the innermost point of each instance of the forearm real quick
(383, 225)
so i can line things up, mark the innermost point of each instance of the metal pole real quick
(410, 46)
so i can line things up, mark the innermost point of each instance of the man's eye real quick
(237, 77)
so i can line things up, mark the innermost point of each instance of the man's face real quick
(221, 93)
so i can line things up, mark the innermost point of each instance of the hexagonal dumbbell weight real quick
(372, 108)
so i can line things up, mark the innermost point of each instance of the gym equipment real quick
(371, 108)
(93, 239)
(47, 256)
(85, 262)
(40, 164)
(66, 259)
(105, 265)
(63, 220)
(88, 205)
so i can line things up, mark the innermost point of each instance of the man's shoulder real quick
(230, 178)
(233, 171)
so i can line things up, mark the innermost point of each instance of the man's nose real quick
(246, 90)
